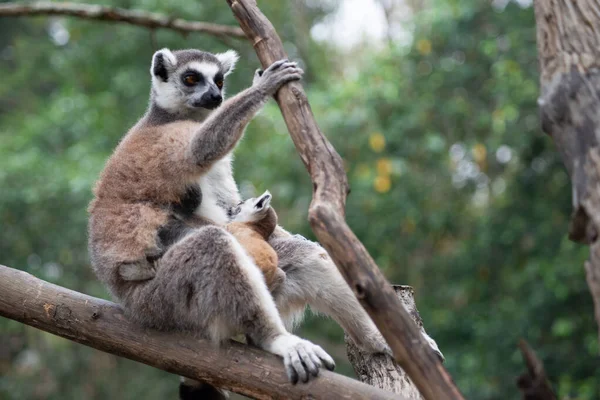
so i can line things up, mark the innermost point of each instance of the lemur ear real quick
(228, 60)
(263, 201)
(162, 61)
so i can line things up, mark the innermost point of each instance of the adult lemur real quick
(155, 230)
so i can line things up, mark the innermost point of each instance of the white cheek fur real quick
(167, 96)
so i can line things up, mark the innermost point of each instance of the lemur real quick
(156, 224)
(253, 222)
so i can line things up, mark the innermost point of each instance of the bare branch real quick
(326, 215)
(533, 384)
(101, 324)
(114, 14)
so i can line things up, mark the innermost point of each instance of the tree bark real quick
(114, 14)
(102, 325)
(326, 216)
(569, 52)
(381, 370)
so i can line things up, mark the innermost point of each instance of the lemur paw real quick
(374, 342)
(301, 358)
(277, 281)
(277, 74)
(433, 346)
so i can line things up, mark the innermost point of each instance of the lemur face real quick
(253, 209)
(190, 80)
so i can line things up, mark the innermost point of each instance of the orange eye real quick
(190, 79)
(219, 84)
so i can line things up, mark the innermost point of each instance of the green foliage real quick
(455, 190)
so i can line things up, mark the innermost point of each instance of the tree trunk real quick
(380, 370)
(569, 52)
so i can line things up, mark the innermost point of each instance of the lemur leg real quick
(312, 278)
(206, 283)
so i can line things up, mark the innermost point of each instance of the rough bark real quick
(326, 216)
(114, 14)
(380, 370)
(568, 38)
(101, 324)
(533, 384)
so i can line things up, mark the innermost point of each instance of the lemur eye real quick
(191, 79)
(219, 84)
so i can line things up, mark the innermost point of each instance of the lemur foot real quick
(375, 343)
(277, 280)
(277, 74)
(433, 346)
(300, 357)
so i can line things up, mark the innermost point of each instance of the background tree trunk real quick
(569, 54)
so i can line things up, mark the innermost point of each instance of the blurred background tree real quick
(432, 105)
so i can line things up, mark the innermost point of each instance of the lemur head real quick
(190, 82)
(252, 210)
(257, 214)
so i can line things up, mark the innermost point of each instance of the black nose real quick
(216, 98)
(210, 100)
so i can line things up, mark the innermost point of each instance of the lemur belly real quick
(219, 192)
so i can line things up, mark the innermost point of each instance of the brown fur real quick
(147, 173)
(253, 237)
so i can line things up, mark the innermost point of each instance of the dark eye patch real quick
(218, 79)
(192, 78)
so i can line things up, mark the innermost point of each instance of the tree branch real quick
(326, 215)
(534, 384)
(101, 324)
(114, 14)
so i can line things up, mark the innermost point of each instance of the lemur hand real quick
(302, 359)
(277, 74)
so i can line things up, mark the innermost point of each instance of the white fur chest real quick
(219, 192)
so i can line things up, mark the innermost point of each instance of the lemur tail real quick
(193, 390)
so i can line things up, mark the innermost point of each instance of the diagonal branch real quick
(101, 324)
(326, 215)
(114, 14)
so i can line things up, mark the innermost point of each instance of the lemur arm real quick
(224, 127)
(221, 131)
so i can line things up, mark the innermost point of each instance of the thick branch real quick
(101, 324)
(114, 14)
(569, 53)
(326, 216)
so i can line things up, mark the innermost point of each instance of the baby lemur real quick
(253, 222)
(157, 234)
